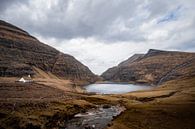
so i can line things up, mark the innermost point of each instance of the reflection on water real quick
(114, 88)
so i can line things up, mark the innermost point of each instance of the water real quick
(114, 88)
(97, 118)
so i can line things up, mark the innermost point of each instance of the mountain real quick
(154, 67)
(22, 54)
(131, 59)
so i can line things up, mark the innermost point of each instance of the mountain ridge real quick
(20, 52)
(151, 67)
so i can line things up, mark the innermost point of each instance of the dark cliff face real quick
(20, 53)
(155, 67)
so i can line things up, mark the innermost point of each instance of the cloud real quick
(97, 55)
(171, 16)
(102, 33)
(5, 4)
(72, 18)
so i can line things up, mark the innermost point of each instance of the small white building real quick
(22, 80)
(25, 79)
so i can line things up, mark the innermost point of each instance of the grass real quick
(42, 115)
(163, 111)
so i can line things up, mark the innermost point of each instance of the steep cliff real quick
(156, 66)
(21, 54)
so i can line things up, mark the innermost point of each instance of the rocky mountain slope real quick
(154, 67)
(22, 54)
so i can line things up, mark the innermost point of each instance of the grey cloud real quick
(86, 19)
(118, 20)
(5, 4)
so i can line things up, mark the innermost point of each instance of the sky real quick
(102, 33)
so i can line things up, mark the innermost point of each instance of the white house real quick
(25, 79)
(22, 80)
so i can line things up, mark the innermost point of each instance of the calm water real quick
(114, 88)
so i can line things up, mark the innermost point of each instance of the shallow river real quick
(100, 117)
(114, 88)
(96, 118)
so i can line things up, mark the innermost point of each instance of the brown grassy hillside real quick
(20, 53)
(154, 67)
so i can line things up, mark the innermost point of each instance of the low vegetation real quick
(168, 106)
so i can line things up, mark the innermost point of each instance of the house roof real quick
(26, 78)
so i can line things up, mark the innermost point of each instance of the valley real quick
(55, 92)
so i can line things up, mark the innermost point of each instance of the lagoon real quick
(115, 88)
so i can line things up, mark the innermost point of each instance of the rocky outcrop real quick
(20, 53)
(186, 69)
(155, 67)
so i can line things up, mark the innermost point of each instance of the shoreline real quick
(117, 82)
(56, 105)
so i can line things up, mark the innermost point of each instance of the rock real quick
(110, 124)
(31, 126)
(21, 54)
(154, 67)
(93, 126)
(106, 106)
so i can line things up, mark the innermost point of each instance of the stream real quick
(101, 117)
(95, 118)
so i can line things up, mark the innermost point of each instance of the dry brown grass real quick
(163, 112)
(38, 105)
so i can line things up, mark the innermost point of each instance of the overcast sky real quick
(102, 33)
